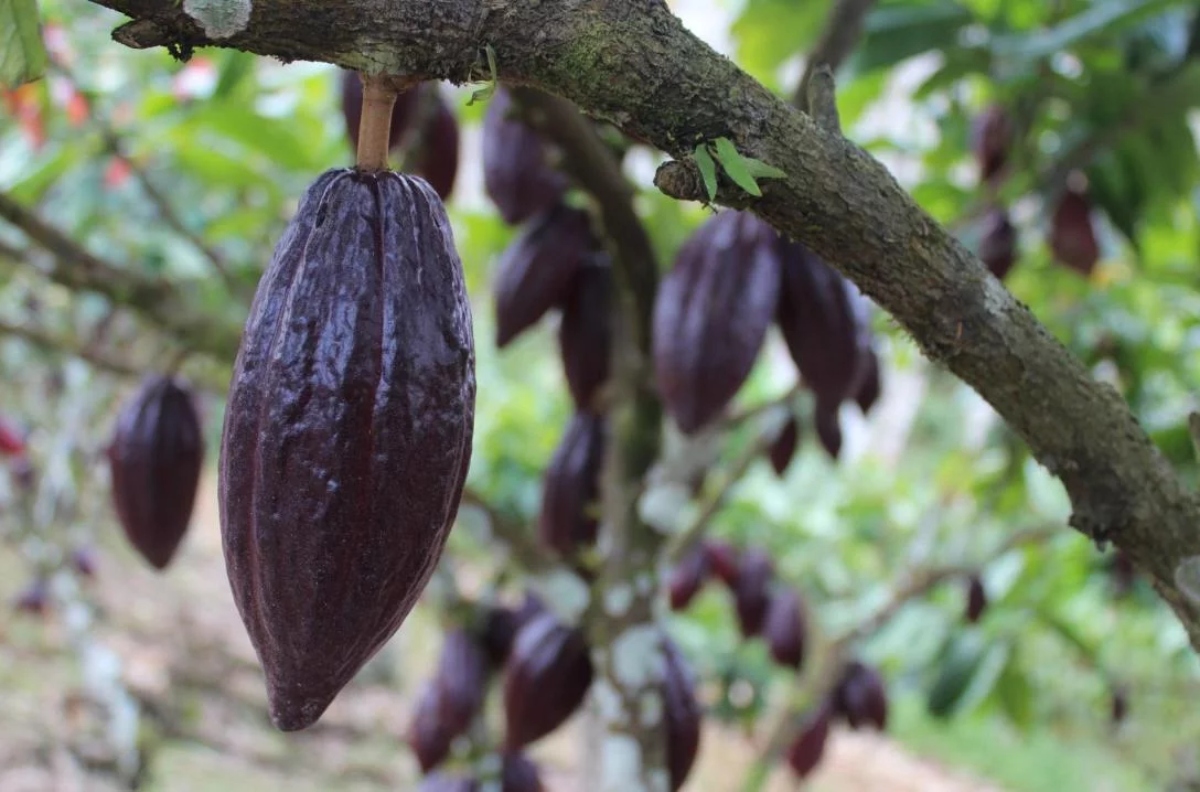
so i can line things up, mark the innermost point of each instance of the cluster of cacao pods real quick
(858, 698)
(765, 608)
(348, 429)
(155, 458)
(423, 128)
(711, 316)
(1072, 234)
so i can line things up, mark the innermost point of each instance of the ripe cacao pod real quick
(11, 441)
(497, 630)
(991, 141)
(828, 423)
(785, 628)
(536, 272)
(998, 246)
(348, 432)
(682, 714)
(516, 173)
(783, 447)
(871, 388)
(403, 112)
(428, 735)
(519, 774)
(437, 162)
(977, 600)
(546, 679)
(1072, 236)
(860, 697)
(156, 455)
(571, 486)
(688, 577)
(462, 678)
(751, 594)
(711, 316)
(585, 332)
(724, 560)
(806, 751)
(1119, 705)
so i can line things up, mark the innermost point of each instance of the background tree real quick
(151, 195)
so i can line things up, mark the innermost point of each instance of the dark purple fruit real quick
(571, 486)
(977, 600)
(155, 456)
(806, 751)
(520, 775)
(347, 433)
(497, 631)
(785, 628)
(783, 447)
(711, 316)
(751, 594)
(462, 677)
(861, 698)
(998, 246)
(537, 270)
(871, 388)
(1072, 236)
(438, 159)
(516, 173)
(546, 680)
(688, 577)
(682, 714)
(724, 560)
(428, 735)
(828, 423)
(1119, 705)
(585, 333)
(991, 141)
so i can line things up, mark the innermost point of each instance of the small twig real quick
(843, 29)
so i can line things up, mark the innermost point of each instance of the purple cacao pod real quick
(682, 714)
(1072, 235)
(785, 628)
(585, 332)
(977, 599)
(806, 751)
(462, 678)
(860, 697)
(991, 141)
(751, 595)
(724, 560)
(497, 631)
(711, 316)
(519, 774)
(516, 173)
(438, 160)
(998, 245)
(571, 486)
(536, 272)
(428, 735)
(871, 388)
(546, 679)
(688, 577)
(156, 456)
(783, 447)
(348, 432)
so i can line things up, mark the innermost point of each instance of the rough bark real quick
(634, 64)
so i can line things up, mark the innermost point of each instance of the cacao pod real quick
(871, 387)
(11, 441)
(785, 628)
(438, 159)
(711, 316)
(428, 735)
(783, 447)
(403, 112)
(752, 592)
(546, 679)
(156, 456)
(348, 432)
(991, 141)
(516, 173)
(585, 332)
(462, 678)
(977, 600)
(1072, 236)
(806, 751)
(724, 560)
(688, 577)
(828, 423)
(860, 697)
(497, 631)
(536, 272)
(682, 714)
(572, 486)
(520, 775)
(1119, 705)
(998, 246)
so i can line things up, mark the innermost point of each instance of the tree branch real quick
(634, 64)
(164, 304)
(843, 29)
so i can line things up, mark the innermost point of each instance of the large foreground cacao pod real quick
(585, 332)
(516, 174)
(156, 454)
(571, 485)
(711, 316)
(348, 432)
(682, 713)
(547, 677)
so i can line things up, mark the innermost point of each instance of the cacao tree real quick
(749, 408)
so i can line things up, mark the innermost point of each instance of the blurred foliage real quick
(930, 479)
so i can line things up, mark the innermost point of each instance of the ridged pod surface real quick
(585, 332)
(536, 272)
(823, 319)
(547, 677)
(348, 432)
(711, 316)
(155, 456)
(571, 485)
(681, 712)
(462, 677)
(785, 629)
(516, 173)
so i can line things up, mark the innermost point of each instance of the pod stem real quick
(374, 131)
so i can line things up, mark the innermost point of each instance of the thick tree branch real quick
(166, 305)
(634, 64)
(842, 31)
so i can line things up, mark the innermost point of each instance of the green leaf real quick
(708, 170)
(898, 32)
(1015, 693)
(22, 54)
(1097, 18)
(761, 170)
(769, 32)
(960, 661)
(732, 162)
